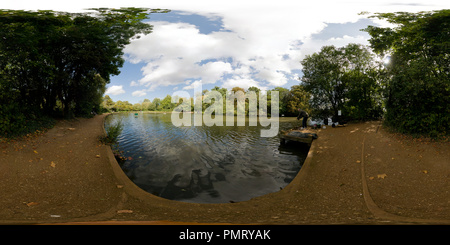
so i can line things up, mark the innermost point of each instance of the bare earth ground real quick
(358, 174)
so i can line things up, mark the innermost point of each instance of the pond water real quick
(202, 164)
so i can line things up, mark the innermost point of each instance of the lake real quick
(205, 164)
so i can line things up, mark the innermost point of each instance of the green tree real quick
(146, 105)
(166, 103)
(417, 79)
(284, 96)
(156, 104)
(361, 77)
(137, 107)
(107, 103)
(296, 98)
(51, 59)
(342, 79)
(322, 74)
(123, 106)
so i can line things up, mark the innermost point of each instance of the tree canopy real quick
(56, 63)
(417, 78)
(343, 79)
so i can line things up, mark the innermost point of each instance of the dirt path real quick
(66, 175)
(63, 174)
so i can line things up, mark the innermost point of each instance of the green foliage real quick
(293, 99)
(55, 63)
(112, 133)
(166, 103)
(343, 79)
(290, 101)
(16, 120)
(107, 103)
(12, 119)
(417, 78)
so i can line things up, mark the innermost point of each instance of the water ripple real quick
(204, 164)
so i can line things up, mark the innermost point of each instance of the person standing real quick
(305, 116)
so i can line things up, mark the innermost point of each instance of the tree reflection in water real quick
(206, 164)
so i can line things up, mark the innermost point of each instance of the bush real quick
(112, 133)
(17, 120)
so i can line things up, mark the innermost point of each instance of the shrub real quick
(112, 133)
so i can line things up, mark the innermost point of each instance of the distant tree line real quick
(289, 101)
(58, 64)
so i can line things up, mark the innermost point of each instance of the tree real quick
(137, 107)
(123, 106)
(146, 105)
(363, 96)
(342, 79)
(107, 103)
(296, 98)
(284, 96)
(50, 60)
(322, 74)
(156, 104)
(417, 79)
(166, 103)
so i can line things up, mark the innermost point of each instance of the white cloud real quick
(261, 43)
(139, 93)
(174, 52)
(193, 85)
(242, 82)
(115, 90)
(311, 46)
(265, 42)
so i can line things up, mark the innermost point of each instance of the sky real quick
(206, 43)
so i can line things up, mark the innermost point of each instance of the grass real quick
(112, 133)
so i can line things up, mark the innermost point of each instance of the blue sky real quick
(230, 43)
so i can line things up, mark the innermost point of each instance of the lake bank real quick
(66, 175)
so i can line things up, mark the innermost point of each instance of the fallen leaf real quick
(124, 211)
(424, 171)
(371, 178)
(52, 164)
(358, 161)
(381, 176)
(97, 156)
(32, 204)
(35, 152)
